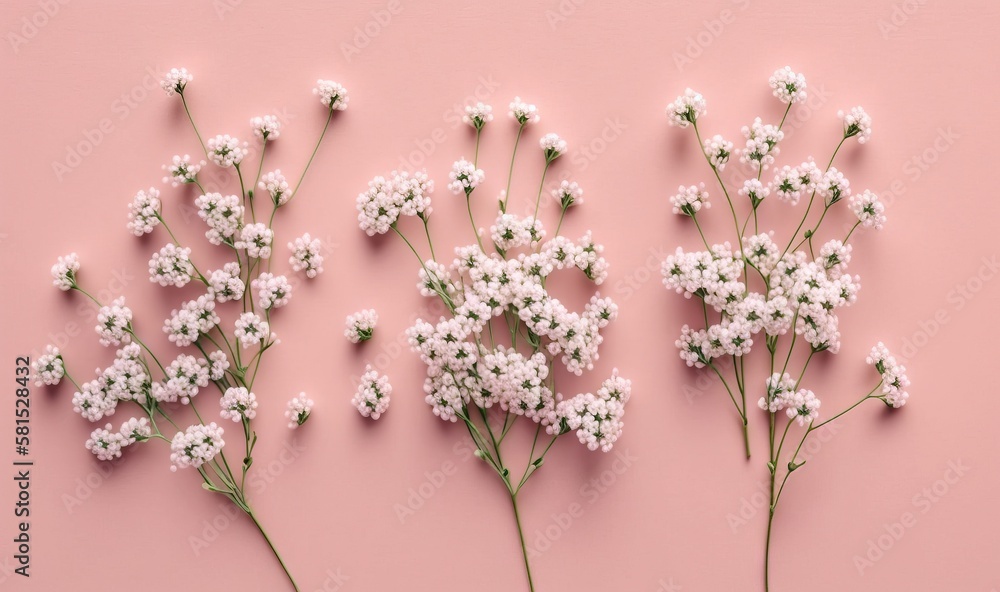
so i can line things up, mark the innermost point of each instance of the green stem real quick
(510, 173)
(191, 119)
(274, 550)
(311, 156)
(524, 547)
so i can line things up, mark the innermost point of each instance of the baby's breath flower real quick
(273, 291)
(718, 150)
(465, 177)
(686, 109)
(372, 397)
(893, 375)
(552, 146)
(298, 411)
(568, 194)
(49, 368)
(331, 94)
(361, 325)
(238, 404)
(478, 115)
(196, 446)
(856, 123)
(788, 86)
(266, 127)
(276, 186)
(252, 330)
(171, 266)
(144, 212)
(182, 170)
(175, 81)
(307, 255)
(64, 272)
(690, 200)
(869, 210)
(522, 112)
(226, 151)
(106, 444)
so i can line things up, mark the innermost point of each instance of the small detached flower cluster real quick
(491, 359)
(158, 386)
(761, 290)
(373, 391)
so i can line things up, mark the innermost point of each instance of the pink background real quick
(666, 521)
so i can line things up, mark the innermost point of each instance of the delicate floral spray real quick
(491, 360)
(798, 289)
(231, 360)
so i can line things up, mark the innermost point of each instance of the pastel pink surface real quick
(685, 511)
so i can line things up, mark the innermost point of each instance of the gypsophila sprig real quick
(373, 394)
(493, 356)
(477, 115)
(772, 295)
(164, 389)
(361, 325)
(298, 410)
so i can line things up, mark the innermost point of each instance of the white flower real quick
(225, 284)
(686, 109)
(226, 151)
(194, 319)
(252, 330)
(273, 291)
(307, 255)
(788, 86)
(114, 323)
(403, 194)
(552, 146)
(196, 446)
(597, 419)
(276, 186)
(690, 200)
(893, 374)
(833, 187)
(223, 214)
(834, 256)
(869, 210)
(510, 232)
(136, 429)
(175, 81)
(238, 404)
(856, 123)
(755, 190)
(182, 170)
(372, 397)
(256, 239)
(478, 115)
(779, 389)
(185, 376)
(106, 444)
(267, 127)
(93, 402)
(568, 194)
(361, 325)
(761, 144)
(127, 379)
(218, 363)
(298, 411)
(49, 368)
(802, 406)
(144, 212)
(718, 150)
(522, 112)
(331, 94)
(465, 177)
(761, 252)
(64, 272)
(171, 266)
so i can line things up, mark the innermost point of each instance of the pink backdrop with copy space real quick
(682, 509)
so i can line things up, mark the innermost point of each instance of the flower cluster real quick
(298, 410)
(372, 397)
(767, 290)
(402, 194)
(361, 325)
(465, 177)
(163, 389)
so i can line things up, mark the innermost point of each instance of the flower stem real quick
(524, 547)
(510, 173)
(273, 549)
(312, 156)
(191, 119)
